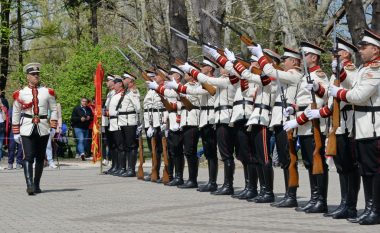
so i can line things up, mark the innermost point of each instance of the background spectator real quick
(14, 149)
(81, 118)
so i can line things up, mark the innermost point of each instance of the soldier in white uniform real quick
(365, 96)
(105, 123)
(114, 127)
(345, 159)
(128, 120)
(30, 124)
(289, 79)
(189, 125)
(258, 123)
(154, 116)
(318, 183)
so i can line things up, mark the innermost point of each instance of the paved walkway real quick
(77, 199)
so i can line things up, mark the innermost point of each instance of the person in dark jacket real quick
(81, 118)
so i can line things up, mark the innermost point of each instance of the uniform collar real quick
(121, 90)
(376, 60)
(314, 68)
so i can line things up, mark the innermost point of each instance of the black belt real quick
(184, 108)
(279, 104)
(113, 117)
(155, 110)
(246, 102)
(223, 107)
(262, 106)
(302, 108)
(126, 113)
(347, 108)
(207, 107)
(34, 116)
(367, 108)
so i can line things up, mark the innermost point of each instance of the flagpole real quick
(101, 145)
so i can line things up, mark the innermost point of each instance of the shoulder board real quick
(375, 65)
(350, 67)
(16, 94)
(51, 92)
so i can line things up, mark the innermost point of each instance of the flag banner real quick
(96, 130)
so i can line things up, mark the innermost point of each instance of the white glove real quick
(150, 132)
(210, 51)
(290, 125)
(175, 127)
(334, 64)
(152, 85)
(171, 84)
(256, 50)
(333, 90)
(230, 55)
(17, 138)
(288, 111)
(312, 86)
(138, 130)
(163, 127)
(166, 133)
(312, 114)
(185, 67)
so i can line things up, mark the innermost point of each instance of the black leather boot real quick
(373, 217)
(352, 181)
(313, 196)
(245, 190)
(227, 187)
(131, 172)
(37, 176)
(211, 186)
(192, 163)
(367, 186)
(291, 199)
(123, 163)
(260, 174)
(252, 183)
(268, 196)
(178, 179)
(321, 204)
(170, 168)
(343, 197)
(159, 179)
(113, 163)
(286, 181)
(118, 163)
(28, 172)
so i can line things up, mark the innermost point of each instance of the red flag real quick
(96, 130)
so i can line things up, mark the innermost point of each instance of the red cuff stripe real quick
(182, 88)
(341, 95)
(265, 80)
(194, 73)
(244, 84)
(222, 60)
(262, 62)
(321, 91)
(161, 89)
(325, 112)
(239, 67)
(233, 79)
(16, 129)
(302, 119)
(343, 76)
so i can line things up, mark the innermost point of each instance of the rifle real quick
(331, 142)
(293, 180)
(154, 174)
(140, 171)
(165, 174)
(145, 76)
(317, 157)
(246, 39)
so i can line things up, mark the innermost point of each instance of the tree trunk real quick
(375, 23)
(19, 33)
(178, 19)
(5, 35)
(94, 21)
(78, 30)
(356, 21)
(227, 31)
(210, 30)
(149, 27)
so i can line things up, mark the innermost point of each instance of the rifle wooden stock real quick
(140, 170)
(317, 157)
(154, 175)
(331, 142)
(254, 70)
(165, 174)
(293, 172)
(167, 104)
(209, 88)
(186, 102)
